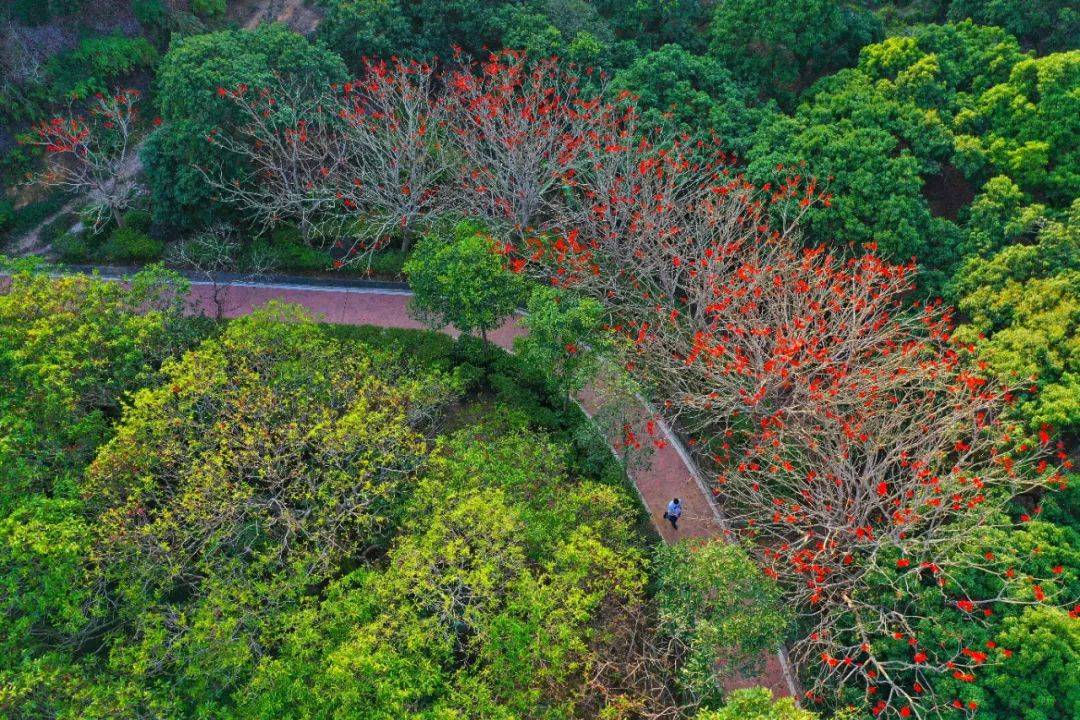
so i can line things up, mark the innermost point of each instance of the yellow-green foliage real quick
(757, 704)
(1023, 317)
(490, 605)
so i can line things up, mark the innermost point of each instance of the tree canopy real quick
(191, 76)
(461, 281)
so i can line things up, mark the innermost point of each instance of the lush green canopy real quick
(462, 281)
(190, 78)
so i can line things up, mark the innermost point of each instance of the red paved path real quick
(669, 472)
(666, 477)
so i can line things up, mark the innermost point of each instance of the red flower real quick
(920, 657)
(903, 563)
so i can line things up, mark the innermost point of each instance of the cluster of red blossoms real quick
(74, 134)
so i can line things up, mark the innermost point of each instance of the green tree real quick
(714, 599)
(564, 338)
(1001, 562)
(1028, 128)
(1022, 309)
(756, 704)
(875, 184)
(780, 47)
(375, 29)
(1041, 681)
(72, 350)
(654, 24)
(208, 8)
(419, 29)
(493, 602)
(1046, 25)
(694, 94)
(570, 29)
(879, 133)
(461, 281)
(267, 460)
(1000, 216)
(191, 76)
(97, 64)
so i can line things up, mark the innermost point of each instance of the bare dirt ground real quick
(300, 15)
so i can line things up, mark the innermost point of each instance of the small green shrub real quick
(137, 219)
(20, 160)
(286, 250)
(91, 66)
(98, 227)
(389, 263)
(428, 350)
(473, 350)
(73, 248)
(7, 214)
(151, 14)
(30, 216)
(39, 12)
(130, 245)
(509, 391)
(56, 227)
(287, 234)
(208, 8)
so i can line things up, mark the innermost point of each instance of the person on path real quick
(674, 512)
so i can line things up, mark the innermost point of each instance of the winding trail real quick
(669, 471)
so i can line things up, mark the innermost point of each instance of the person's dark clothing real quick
(674, 512)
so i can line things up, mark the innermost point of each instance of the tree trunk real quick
(118, 217)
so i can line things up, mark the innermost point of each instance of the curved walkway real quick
(669, 472)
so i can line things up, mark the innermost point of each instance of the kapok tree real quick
(503, 141)
(851, 440)
(90, 153)
(364, 158)
(522, 129)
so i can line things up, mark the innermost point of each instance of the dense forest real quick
(836, 245)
